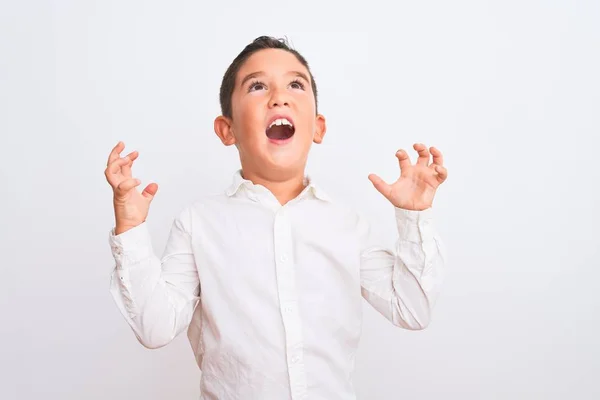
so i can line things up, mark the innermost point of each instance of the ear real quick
(320, 129)
(224, 130)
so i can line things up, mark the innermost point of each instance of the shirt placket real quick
(288, 303)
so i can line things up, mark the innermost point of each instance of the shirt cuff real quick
(415, 226)
(132, 246)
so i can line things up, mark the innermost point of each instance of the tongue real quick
(280, 132)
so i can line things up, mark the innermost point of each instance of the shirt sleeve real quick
(403, 284)
(156, 296)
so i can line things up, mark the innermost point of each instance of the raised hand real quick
(417, 184)
(131, 207)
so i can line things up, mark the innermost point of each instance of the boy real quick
(268, 277)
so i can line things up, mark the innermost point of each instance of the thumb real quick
(380, 185)
(150, 191)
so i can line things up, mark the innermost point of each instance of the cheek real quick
(249, 125)
(308, 105)
(250, 110)
(308, 114)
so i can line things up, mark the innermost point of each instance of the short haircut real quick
(260, 43)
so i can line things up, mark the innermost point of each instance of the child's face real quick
(272, 84)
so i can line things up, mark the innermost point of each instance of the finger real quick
(126, 169)
(381, 186)
(424, 155)
(442, 173)
(403, 159)
(438, 158)
(127, 185)
(116, 165)
(114, 154)
(150, 191)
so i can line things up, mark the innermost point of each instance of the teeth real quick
(281, 121)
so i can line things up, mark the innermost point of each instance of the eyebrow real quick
(259, 73)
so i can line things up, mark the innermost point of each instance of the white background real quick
(508, 90)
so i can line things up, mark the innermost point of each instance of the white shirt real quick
(271, 295)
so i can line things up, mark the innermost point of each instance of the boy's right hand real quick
(131, 207)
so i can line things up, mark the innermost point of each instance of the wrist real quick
(122, 228)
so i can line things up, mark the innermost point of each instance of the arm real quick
(403, 284)
(156, 296)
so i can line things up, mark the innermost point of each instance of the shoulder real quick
(197, 211)
(209, 201)
(338, 212)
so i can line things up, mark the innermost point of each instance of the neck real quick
(284, 186)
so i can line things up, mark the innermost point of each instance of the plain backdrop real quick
(508, 90)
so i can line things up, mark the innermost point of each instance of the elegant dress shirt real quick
(271, 295)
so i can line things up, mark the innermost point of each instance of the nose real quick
(279, 98)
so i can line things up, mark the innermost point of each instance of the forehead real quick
(271, 62)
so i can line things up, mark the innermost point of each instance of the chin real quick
(286, 161)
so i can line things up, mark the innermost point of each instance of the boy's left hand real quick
(416, 187)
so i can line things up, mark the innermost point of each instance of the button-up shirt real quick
(271, 295)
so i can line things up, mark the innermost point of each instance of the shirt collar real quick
(238, 182)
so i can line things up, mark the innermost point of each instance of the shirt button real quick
(295, 359)
(284, 258)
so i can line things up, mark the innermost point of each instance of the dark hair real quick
(260, 43)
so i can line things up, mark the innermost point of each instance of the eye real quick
(256, 85)
(296, 84)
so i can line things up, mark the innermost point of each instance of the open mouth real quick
(280, 129)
